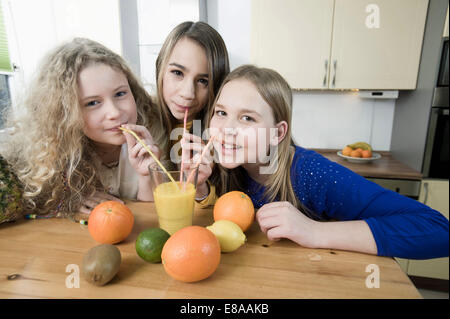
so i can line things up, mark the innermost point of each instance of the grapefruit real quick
(191, 254)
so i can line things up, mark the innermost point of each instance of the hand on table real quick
(98, 197)
(282, 220)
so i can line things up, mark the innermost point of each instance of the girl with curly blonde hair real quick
(65, 143)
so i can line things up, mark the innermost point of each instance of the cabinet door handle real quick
(425, 188)
(326, 73)
(334, 75)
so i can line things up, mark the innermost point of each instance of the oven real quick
(436, 161)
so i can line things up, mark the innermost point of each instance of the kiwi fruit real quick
(100, 264)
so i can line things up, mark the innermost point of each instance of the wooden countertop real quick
(385, 167)
(34, 255)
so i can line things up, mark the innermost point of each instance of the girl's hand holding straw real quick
(146, 147)
(139, 157)
(202, 159)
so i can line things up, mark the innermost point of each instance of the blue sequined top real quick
(401, 226)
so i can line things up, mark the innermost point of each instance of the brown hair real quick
(218, 66)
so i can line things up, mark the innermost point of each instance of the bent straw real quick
(200, 159)
(148, 150)
(182, 153)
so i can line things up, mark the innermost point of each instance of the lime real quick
(150, 243)
(229, 234)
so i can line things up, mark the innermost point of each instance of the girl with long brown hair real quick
(190, 68)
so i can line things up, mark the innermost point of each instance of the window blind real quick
(5, 62)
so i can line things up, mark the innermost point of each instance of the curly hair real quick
(47, 147)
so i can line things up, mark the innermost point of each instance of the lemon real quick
(229, 234)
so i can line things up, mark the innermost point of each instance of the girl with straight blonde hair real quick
(301, 195)
(272, 87)
(65, 144)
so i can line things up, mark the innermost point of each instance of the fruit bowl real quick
(360, 160)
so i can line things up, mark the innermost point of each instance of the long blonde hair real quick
(48, 149)
(218, 67)
(277, 93)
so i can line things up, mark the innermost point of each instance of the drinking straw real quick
(182, 153)
(200, 159)
(148, 150)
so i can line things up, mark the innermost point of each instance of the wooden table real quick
(385, 167)
(34, 256)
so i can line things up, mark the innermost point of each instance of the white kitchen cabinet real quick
(434, 193)
(294, 38)
(371, 56)
(340, 44)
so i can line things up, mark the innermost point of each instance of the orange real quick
(236, 207)
(110, 222)
(191, 254)
(366, 154)
(356, 153)
(347, 150)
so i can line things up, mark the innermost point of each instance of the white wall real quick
(156, 19)
(231, 18)
(335, 119)
(37, 26)
(321, 119)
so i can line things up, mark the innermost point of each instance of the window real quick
(5, 68)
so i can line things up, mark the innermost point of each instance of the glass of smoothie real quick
(174, 201)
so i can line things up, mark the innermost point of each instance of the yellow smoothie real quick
(174, 206)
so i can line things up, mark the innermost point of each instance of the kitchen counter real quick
(387, 167)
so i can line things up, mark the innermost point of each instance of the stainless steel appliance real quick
(436, 159)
